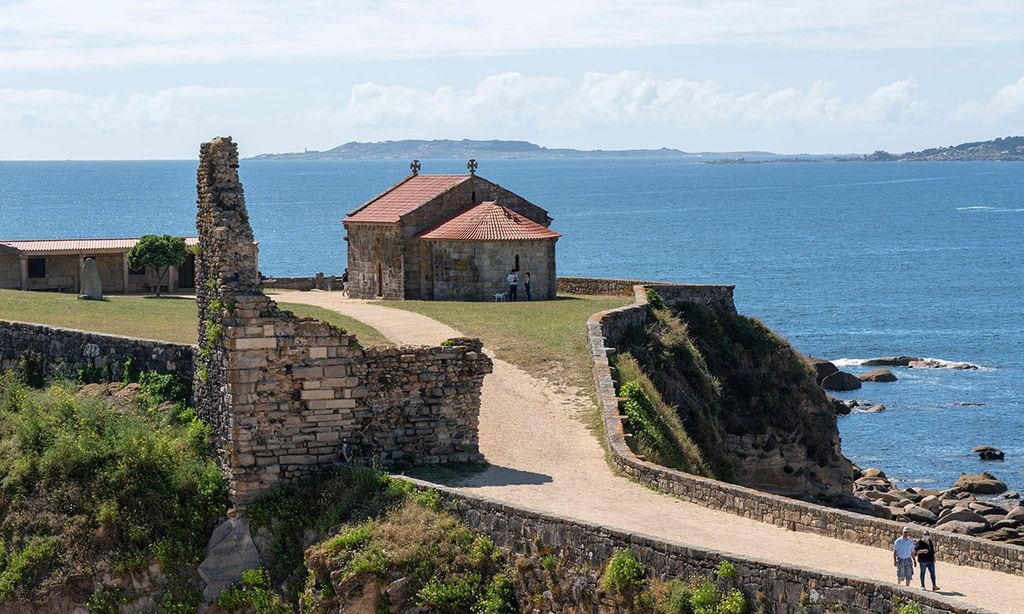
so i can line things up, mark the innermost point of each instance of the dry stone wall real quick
(607, 329)
(769, 587)
(70, 350)
(329, 283)
(285, 395)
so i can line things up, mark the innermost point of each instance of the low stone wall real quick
(779, 589)
(319, 281)
(597, 286)
(607, 329)
(72, 349)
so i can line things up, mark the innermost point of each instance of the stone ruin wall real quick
(283, 394)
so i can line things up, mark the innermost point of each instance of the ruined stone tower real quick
(282, 393)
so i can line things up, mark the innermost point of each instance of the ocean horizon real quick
(846, 260)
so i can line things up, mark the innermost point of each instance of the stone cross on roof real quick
(471, 165)
(415, 166)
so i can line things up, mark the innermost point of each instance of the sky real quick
(152, 79)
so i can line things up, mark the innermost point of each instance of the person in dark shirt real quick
(925, 551)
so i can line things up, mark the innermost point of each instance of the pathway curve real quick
(542, 457)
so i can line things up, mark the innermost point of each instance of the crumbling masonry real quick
(284, 394)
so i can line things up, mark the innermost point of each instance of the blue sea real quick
(846, 260)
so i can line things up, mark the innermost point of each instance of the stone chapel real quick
(448, 237)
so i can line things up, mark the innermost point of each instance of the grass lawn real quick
(165, 318)
(546, 338)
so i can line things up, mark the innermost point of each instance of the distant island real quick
(1007, 149)
(445, 149)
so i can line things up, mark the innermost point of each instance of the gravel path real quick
(542, 457)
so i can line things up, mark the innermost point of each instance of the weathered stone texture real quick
(607, 329)
(283, 394)
(70, 350)
(319, 281)
(477, 270)
(773, 587)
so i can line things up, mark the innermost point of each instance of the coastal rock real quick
(841, 408)
(988, 453)
(877, 375)
(929, 363)
(1017, 514)
(840, 381)
(889, 361)
(822, 368)
(1003, 534)
(1012, 494)
(92, 285)
(916, 513)
(874, 409)
(229, 552)
(873, 472)
(882, 511)
(962, 515)
(1006, 523)
(931, 503)
(983, 483)
(986, 509)
(965, 528)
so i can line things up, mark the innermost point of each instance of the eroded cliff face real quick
(748, 400)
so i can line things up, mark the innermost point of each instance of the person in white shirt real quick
(513, 284)
(903, 556)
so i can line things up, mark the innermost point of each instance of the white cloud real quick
(1007, 104)
(71, 33)
(168, 108)
(621, 99)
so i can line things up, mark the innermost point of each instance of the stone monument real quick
(92, 286)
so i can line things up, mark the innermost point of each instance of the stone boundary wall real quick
(781, 588)
(597, 286)
(330, 283)
(75, 349)
(605, 332)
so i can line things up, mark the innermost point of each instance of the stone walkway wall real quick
(70, 350)
(290, 396)
(768, 586)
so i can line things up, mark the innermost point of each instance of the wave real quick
(934, 363)
(992, 209)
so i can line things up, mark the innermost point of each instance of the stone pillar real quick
(172, 279)
(23, 267)
(78, 273)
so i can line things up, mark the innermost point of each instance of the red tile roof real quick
(78, 246)
(404, 197)
(489, 221)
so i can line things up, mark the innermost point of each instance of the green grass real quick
(546, 338)
(166, 318)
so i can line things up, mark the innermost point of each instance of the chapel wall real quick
(376, 264)
(477, 270)
(10, 271)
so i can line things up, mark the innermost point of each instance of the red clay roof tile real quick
(78, 246)
(488, 221)
(404, 197)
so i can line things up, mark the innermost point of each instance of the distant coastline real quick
(1007, 149)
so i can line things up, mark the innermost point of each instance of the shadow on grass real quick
(172, 297)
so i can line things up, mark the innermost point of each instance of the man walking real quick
(903, 557)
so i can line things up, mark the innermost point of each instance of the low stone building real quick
(56, 265)
(448, 237)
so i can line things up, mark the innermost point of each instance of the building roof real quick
(77, 246)
(488, 221)
(404, 197)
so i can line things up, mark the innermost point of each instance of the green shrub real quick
(83, 483)
(704, 597)
(655, 300)
(726, 571)
(455, 596)
(254, 595)
(548, 562)
(732, 602)
(911, 608)
(499, 598)
(673, 597)
(624, 574)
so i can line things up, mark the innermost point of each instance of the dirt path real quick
(542, 457)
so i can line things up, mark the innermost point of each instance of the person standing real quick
(513, 284)
(526, 285)
(925, 551)
(903, 556)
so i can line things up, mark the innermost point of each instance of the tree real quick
(158, 252)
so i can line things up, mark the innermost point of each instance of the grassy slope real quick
(166, 318)
(546, 338)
